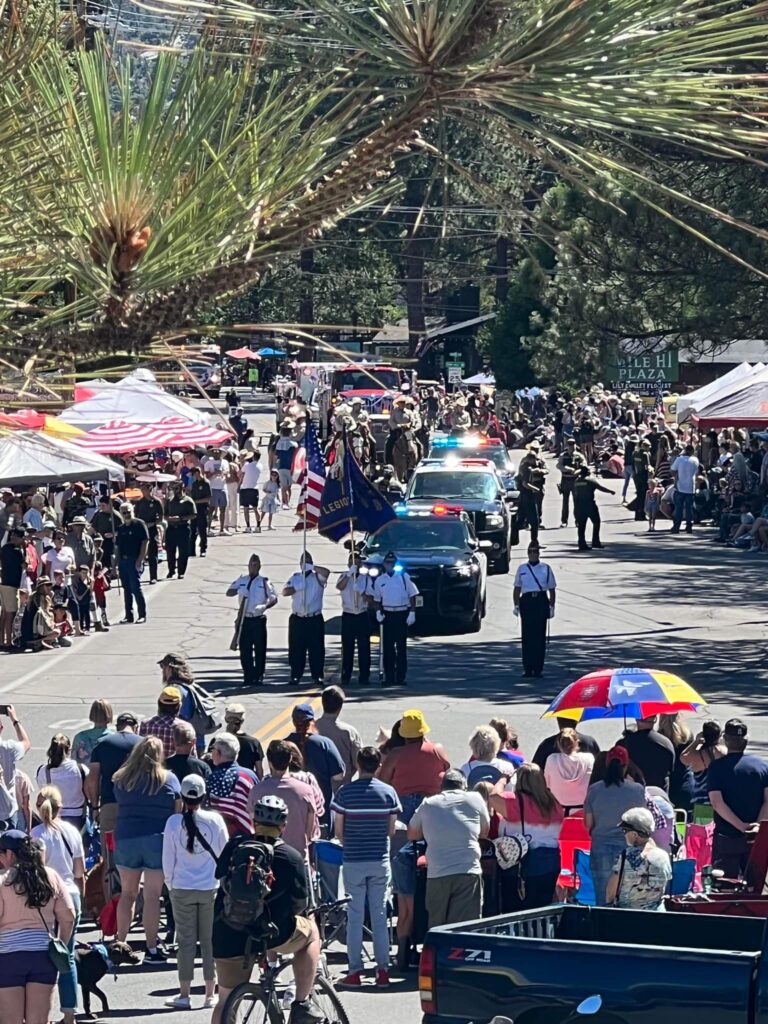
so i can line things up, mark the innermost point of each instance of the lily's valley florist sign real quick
(654, 369)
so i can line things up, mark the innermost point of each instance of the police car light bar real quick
(447, 510)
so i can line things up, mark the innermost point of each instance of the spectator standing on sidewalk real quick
(107, 757)
(216, 469)
(685, 468)
(165, 721)
(321, 756)
(348, 741)
(101, 716)
(738, 792)
(301, 828)
(452, 823)
(250, 474)
(366, 812)
(251, 751)
(183, 761)
(11, 752)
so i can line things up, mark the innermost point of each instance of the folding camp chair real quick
(683, 877)
(585, 886)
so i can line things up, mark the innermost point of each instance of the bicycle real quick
(261, 1002)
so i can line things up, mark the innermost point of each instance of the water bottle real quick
(706, 878)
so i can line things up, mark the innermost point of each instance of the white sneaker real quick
(210, 1002)
(247, 530)
(179, 1003)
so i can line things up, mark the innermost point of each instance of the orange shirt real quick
(417, 767)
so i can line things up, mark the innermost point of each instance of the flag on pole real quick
(311, 480)
(659, 401)
(350, 501)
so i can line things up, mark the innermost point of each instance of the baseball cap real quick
(617, 754)
(735, 727)
(193, 787)
(638, 819)
(170, 695)
(171, 659)
(13, 840)
(304, 711)
(234, 711)
(413, 725)
(126, 718)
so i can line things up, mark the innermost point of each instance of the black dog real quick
(91, 968)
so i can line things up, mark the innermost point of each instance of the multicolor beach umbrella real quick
(624, 693)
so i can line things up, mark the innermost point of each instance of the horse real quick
(406, 452)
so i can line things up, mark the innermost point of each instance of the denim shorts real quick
(218, 498)
(27, 967)
(404, 871)
(140, 853)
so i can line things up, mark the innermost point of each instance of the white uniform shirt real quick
(353, 595)
(532, 579)
(258, 592)
(395, 591)
(314, 587)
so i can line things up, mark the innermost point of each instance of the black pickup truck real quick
(622, 966)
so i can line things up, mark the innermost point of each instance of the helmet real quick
(270, 810)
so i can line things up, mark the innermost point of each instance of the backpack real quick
(246, 886)
(483, 773)
(202, 716)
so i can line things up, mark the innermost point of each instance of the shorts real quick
(28, 967)
(232, 971)
(9, 599)
(140, 853)
(404, 871)
(108, 817)
(285, 477)
(249, 497)
(218, 498)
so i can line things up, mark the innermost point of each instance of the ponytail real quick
(49, 806)
(59, 749)
(189, 823)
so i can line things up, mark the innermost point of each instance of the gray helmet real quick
(270, 810)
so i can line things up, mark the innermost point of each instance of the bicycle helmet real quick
(270, 810)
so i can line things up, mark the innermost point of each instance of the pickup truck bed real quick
(649, 968)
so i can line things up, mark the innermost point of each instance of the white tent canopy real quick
(30, 457)
(481, 378)
(133, 401)
(704, 395)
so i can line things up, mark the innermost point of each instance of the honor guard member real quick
(569, 464)
(257, 595)
(394, 596)
(534, 597)
(306, 627)
(355, 624)
(150, 511)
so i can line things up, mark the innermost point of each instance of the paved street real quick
(674, 602)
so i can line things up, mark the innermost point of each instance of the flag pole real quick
(304, 557)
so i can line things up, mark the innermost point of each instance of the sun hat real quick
(413, 725)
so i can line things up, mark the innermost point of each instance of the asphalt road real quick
(674, 602)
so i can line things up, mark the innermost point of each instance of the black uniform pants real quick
(199, 529)
(582, 518)
(395, 647)
(641, 486)
(177, 541)
(355, 630)
(253, 649)
(152, 552)
(108, 553)
(306, 639)
(528, 512)
(567, 494)
(534, 612)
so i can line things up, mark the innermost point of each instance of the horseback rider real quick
(399, 420)
(364, 443)
(389, 485)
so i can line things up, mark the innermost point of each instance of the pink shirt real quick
(415, 768)
(300, 799)
(15, 915)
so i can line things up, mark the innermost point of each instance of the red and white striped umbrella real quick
(176, 431)
(120, 437)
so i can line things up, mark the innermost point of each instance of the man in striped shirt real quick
(366, 811)
(230, 785)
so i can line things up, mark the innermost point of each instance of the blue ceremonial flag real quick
(349, 496)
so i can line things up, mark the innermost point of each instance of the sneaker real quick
(178, 1003)
(181, 575)
(305, 1013)
(170, 575)
(353, 980)
(210, 1002)
(247, 530)
(382, 978)
(141, 618)
(63, 642)
(127, 619)
(157, 956)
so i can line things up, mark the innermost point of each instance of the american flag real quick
(311, 480)
(659, 400)
(228, 789)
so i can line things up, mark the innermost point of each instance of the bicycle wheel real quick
(247, 1004)
(327, 1001)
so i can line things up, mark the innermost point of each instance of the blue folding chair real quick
(683, 875)
(585, 891)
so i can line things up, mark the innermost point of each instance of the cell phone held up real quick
(4, 709)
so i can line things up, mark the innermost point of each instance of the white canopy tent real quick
(31, 457)
(704, 395)
(487, 379)
(133, 401)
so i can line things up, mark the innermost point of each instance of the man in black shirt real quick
(105, 523)
(585, 507)
(132, 542)
(150, 511)
(738, 792)
(183, 761)
(287, 900)
(12, 561)
(180, 512)
(251, 751)
(200, 493)
(587, 745)
(651, 752)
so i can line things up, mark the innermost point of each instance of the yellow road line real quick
(275, 728)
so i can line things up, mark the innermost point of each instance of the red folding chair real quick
(573, 836)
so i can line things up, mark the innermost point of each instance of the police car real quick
(473, 486)
(438, 548)
(450, 449)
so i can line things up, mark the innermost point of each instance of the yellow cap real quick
(413, 725)
(170, 695)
